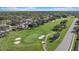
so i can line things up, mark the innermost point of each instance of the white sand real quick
(41, 37)
(17, 42)
(18, 38)
(43, 42)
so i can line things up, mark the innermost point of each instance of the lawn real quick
(29, 41)
(52, 46)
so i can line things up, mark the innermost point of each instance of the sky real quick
(39, 8)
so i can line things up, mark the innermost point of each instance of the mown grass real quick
(53, 46)
(29, 41)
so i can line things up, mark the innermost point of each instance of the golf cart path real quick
(65, 44)
(45, 44)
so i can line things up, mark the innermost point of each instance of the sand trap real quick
(18, 38)
(43, 42)
(17, 42)
(41, 37)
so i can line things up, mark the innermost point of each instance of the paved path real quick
(45, 44)
(65, 44)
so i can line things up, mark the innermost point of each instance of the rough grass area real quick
(29, 41)
(52, 46)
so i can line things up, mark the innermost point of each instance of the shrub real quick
(54, 37)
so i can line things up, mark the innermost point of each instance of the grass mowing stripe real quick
(52, 46)
(29, 42)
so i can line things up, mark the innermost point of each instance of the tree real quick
(1, 18)
(63, 22)
(54, 37)
(56, 28)
(77, 22)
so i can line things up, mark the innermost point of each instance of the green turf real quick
(52, 46)
(30, 41)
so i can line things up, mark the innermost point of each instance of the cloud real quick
(39, 9)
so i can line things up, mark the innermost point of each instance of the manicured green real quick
(30, 41)
(52, 46)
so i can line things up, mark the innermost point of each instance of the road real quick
(78, 45)
(65, 44)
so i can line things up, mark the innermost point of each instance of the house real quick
(29, 22)
(2, 33)
(22, 26)
(4, 29)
